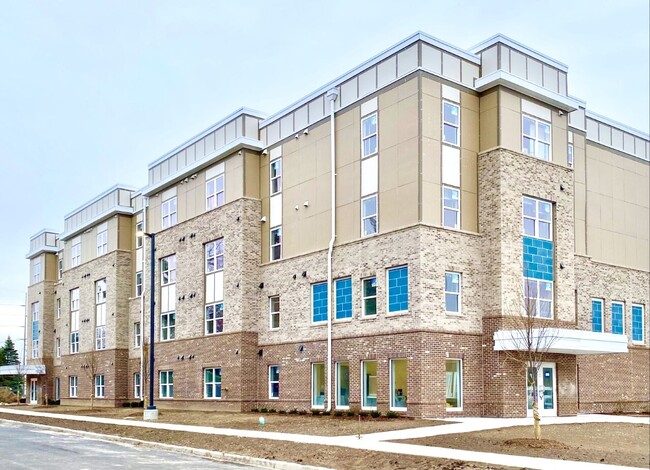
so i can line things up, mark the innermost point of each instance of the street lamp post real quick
(151, 413)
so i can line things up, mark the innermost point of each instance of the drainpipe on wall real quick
(331, 96)
(145, 205)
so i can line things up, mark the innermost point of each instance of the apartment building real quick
(466, 184)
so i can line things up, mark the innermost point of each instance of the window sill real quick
(638, 343)
(317, 407)
(453, 410)
(274, 398)
(343, 408)
(274, 329)
(343, 320)
(369, 317)
(397, 314)
(398, 408)
(320, 323)
(368, 408)
(454, 314)
(212, 398)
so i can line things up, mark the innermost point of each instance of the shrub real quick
(327, 413)
(254, 410)
(338, 413)
(315, 412)
(294, 411)
(264, 410)
(302, 412)
(351, 413)
(392, 415)
(375, 414)
(271, 410)
(364, 414)
(282, 412)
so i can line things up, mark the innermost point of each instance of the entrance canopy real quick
(561, 341)
(22, 370)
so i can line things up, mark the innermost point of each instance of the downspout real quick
(145, 205)
(331, 95)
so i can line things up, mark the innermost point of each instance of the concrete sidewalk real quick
(377, 441)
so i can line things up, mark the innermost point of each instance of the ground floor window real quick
(166, 384)
(137, 391)
(274, 381)
(100, 390)
(454, 384)
(74, 386)
(212, 383)
(398, 383)
(317, 385)
(342, 384)
(369, 380)
(57, 389)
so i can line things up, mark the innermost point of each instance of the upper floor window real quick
(139, 234)
(536, 138)
(214, 318)
(275, 170)
(58, 308)
(100, 291)
(369, 135)
(74, 299)
(450, 207)
(319, 302)
(137, 335)
(369, 296)
(168, 270)
(637, 323)
(60, 267)
(138, 284)
(36, 268)
(75, 252)
(618, 318)
(452, 292)
(214, 256)
(343, 292)
(167, 326)
(538, 298)
(102, 242)
(214, 192)
(537, 218)
(369, 215)
(276, 243)
(450, 123)
(597, 315)
(169, 212)
(274, 312)
(569, 156)
(398, 289)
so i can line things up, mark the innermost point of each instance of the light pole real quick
(151, 413)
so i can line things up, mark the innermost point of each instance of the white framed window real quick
(74, 299)
(138, 284)
(36, 313)
(75, 252)
(74, 321)
(618, 318)
(450, 123)
(275, 171)
(74, 386)
(638, 323)
(369, 385)
(166, 384)
(139, 234)
(168, 270)
(36, 271)
(212, 383)
(214, 318)
(369, 296)
(274, 381)
(397, 286)
(58, 347)
(454, 384)
(100, 314)
(102, 242)
(369, 135)
(276, 243)
(214, 256)
(100, 291)
(35, 345)
(536, 138)
(58, 308)
(538, 298)
(597, 315)
(274, 312)
(452, 292)
(319, 302)
(100, 390)
(318, 385)
(137, 334)
(369, 215)
(100, 337)
(74, 342)
(215, 195)
(451, 207)
(167, 326)
(137, 387)
(399, 377)
(343, 385)
(60, 266)
(168, 211)
(569, 156)
(537, 218)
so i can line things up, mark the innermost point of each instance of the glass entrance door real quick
(33, 397)
(544, 388)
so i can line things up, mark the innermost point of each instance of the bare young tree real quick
(90, 368)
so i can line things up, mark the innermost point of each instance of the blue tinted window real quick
(597, 316)
(319, 302)
(343, 298)
(398, 289)
(637, 323)
(617, 318)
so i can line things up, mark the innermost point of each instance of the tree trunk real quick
(538, 428)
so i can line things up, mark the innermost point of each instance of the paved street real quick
(23, 446)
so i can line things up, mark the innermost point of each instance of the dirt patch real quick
(306, 454)
(611, 443)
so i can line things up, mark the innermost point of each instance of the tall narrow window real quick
(369, 135)
(451, 207)
(168, 270)
(318, 385)
(137, 390)
(342, 384)
(276, 243)
(319, 301)
(452, 292)
(60, 266)
(74, 386)
(274, 312)
(35, 329)
(58, 308)
(618, 318)
(100, 389)
(214, 192)
(168, 211)
(369, 294)
(166, 384)
(102, 242)
(569, 156)
(343, 292)
(454, 384)
(538, 298)
(138, 284)
(75, 252)
(139, 234)
(536, 138)
(450, 123)
(137, 335)
(637, 323)
(597, 315)
(369, 384)
(211, 383)
(399, 378)
(74, 321)
(167, 326)
(214, 256)
(274, 381)
(398, 289)
(537, 218)
(275, 170)
(36, 271)
(58, 347)
(369, 175)
(214, 318)
(369, 215)
(538, 256)
(100, 314)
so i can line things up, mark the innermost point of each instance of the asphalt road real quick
(29, 447)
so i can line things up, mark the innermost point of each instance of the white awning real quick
(22, 370)
(561, 341)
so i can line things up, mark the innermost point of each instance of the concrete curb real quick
(204, 453)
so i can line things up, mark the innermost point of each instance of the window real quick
(274, 312)
(168, 270)
(342, 384)
(274, 381)
(102, 242)
(60, 266)
(212, 383)
(169, 212)
(166, 384)
(399, 378)
(398, 289)
(214, 192)
(74, 342)
(214, 319)
(369, 215)
(100, 291)
(569, 156)
(100, 337)
(275, 170)
(137, 335)
(369, 296)
(58, 308)
(454, 384)
(343, 291)
(276, 243)
(452, 292)
(369, 382)
(450, 123)
(537, 218)
(74, 384)
(369, 135)
(618, 309)
(100, 314)
(214, 256)
(538, 298)
(99, 387)
(58, 347)
(637, 323)
(597, 315)
(36, 267)
(137, 390)
(167, 326)
(536, 139)
(74, 321)
(36, 312)
(139, 234)
(74, 299)
(75, 252)
(450, 207)
(318, 385)
(319, 302)
(138, 284)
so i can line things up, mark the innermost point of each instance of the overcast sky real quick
(91, 92)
